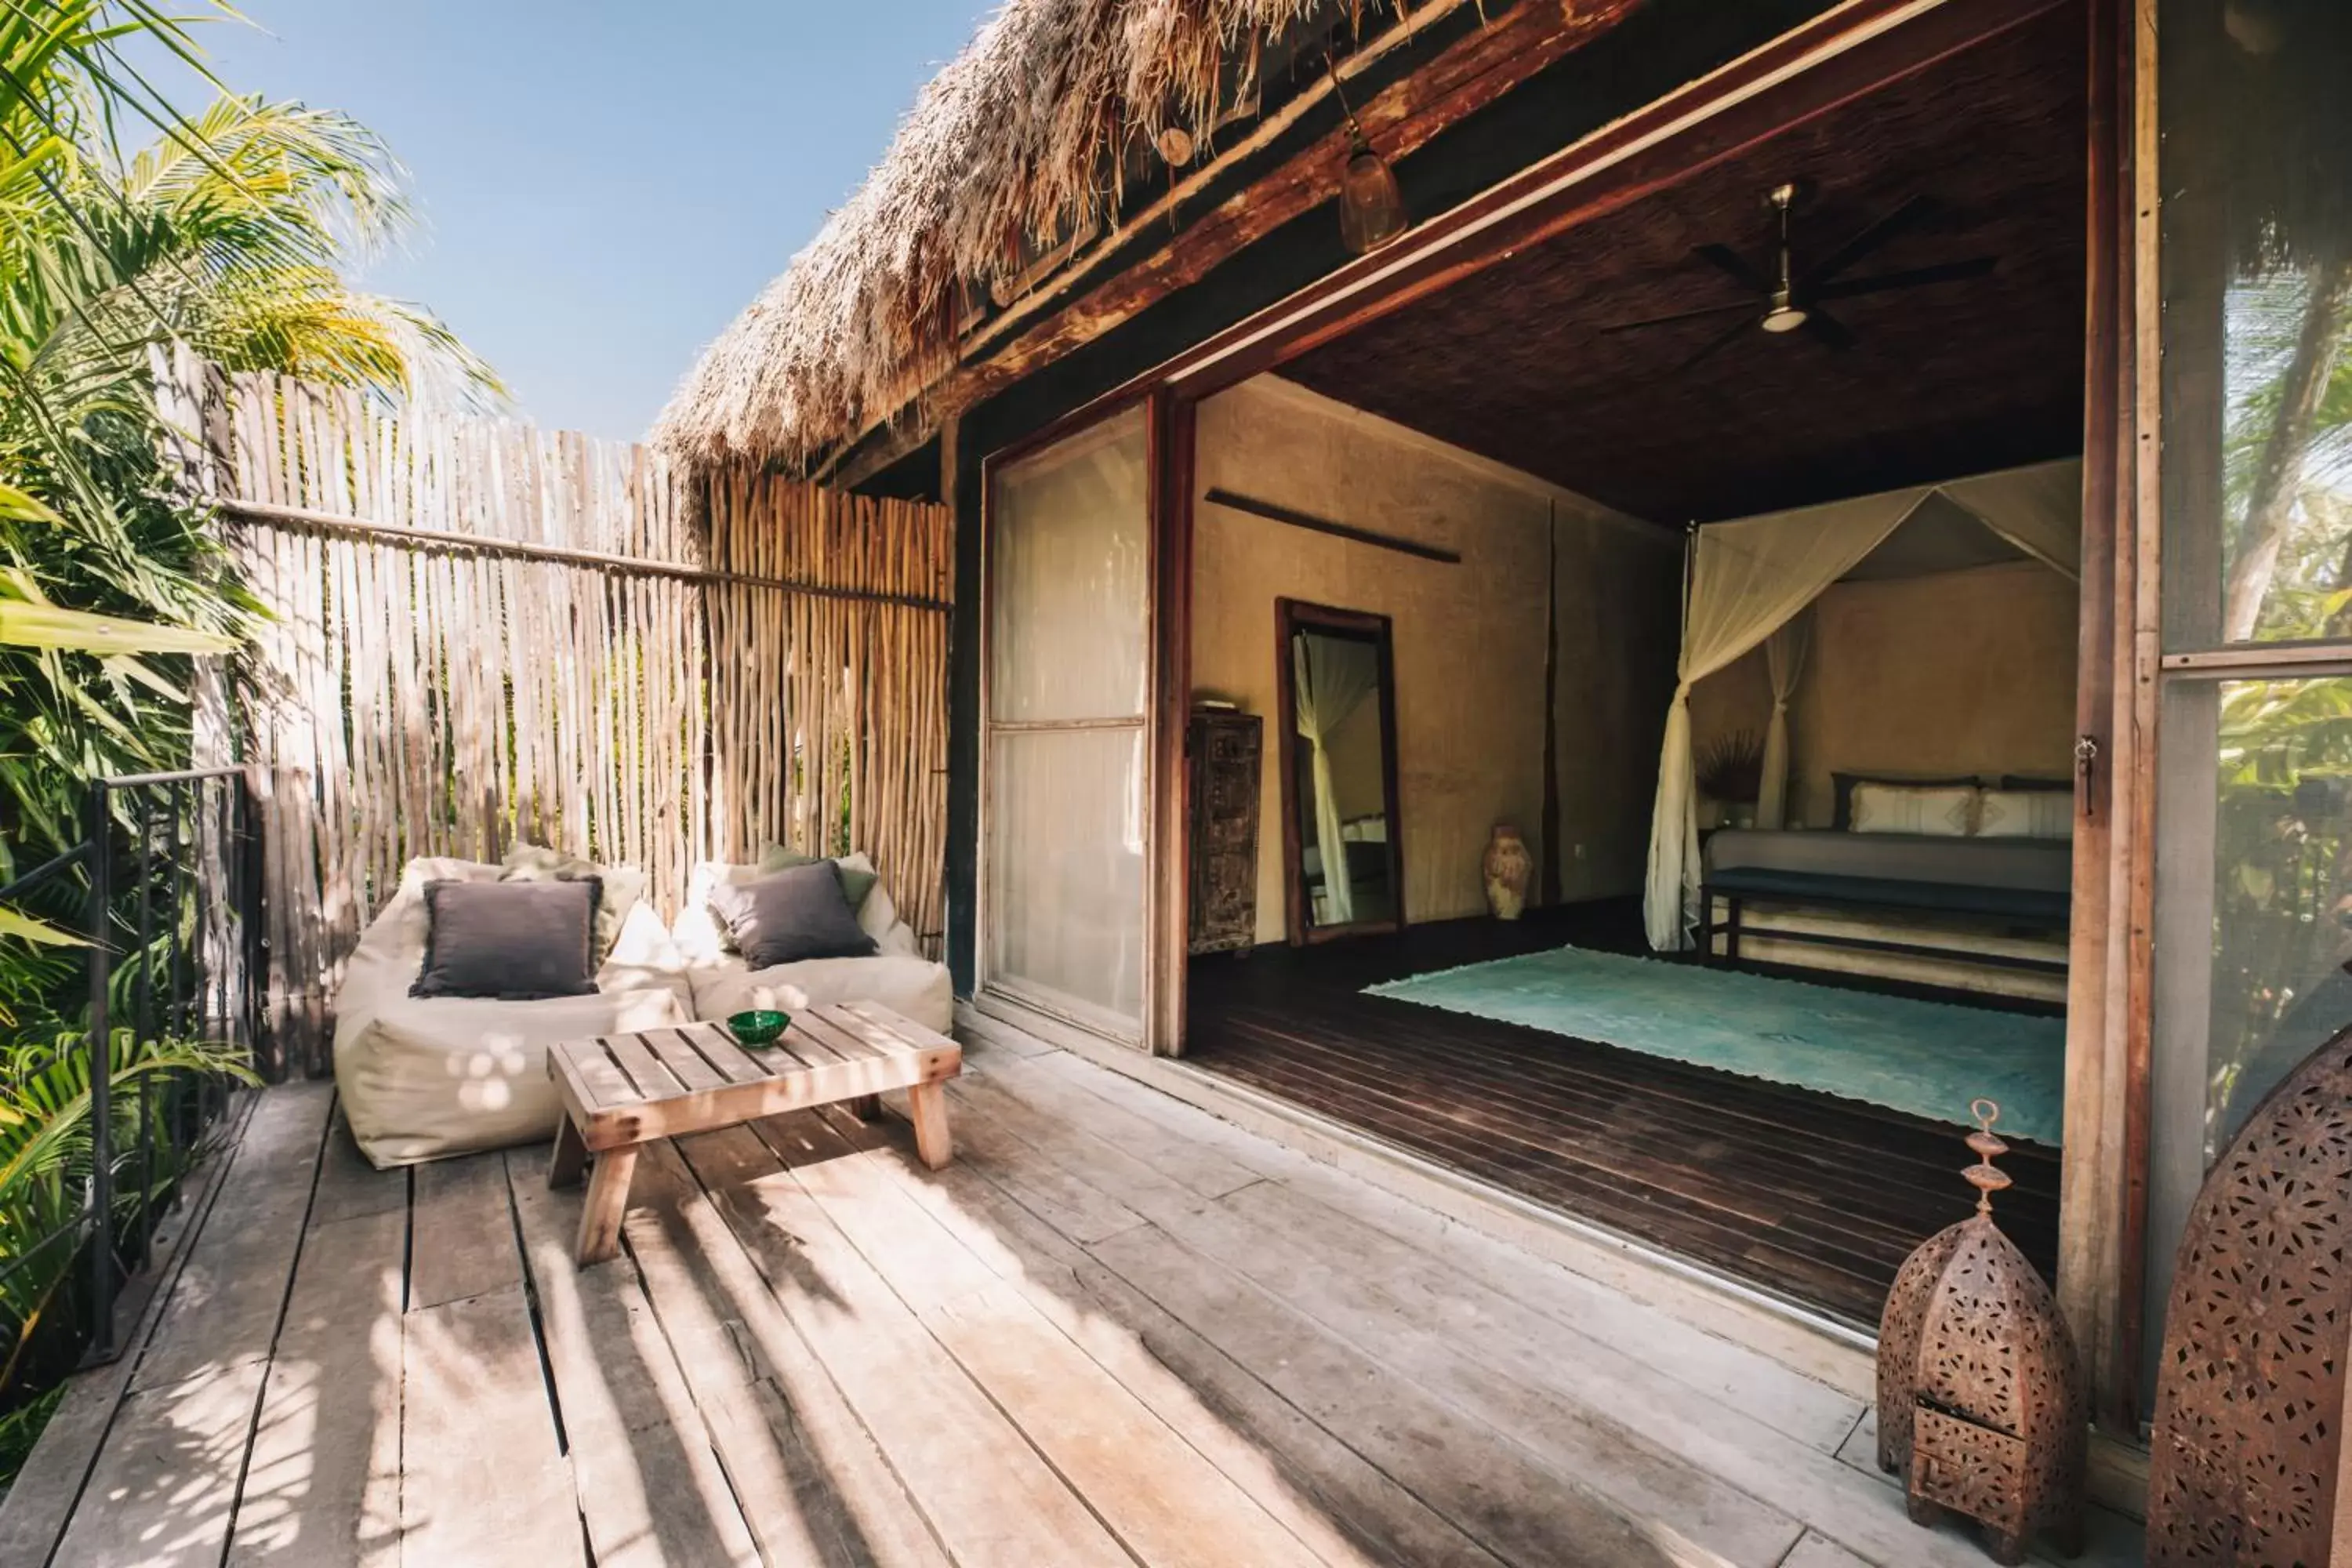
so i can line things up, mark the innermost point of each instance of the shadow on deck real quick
(1115, 1331)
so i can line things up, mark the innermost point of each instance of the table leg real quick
(867, 1108)
(571, 1155)
(927, 1108)
(608, 1200)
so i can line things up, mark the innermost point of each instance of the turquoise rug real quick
(1929, 1058)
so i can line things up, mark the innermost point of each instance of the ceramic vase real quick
(1508, 866)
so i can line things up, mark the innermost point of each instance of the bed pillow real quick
(1841, 805)
(792, 915)
(510, 940)
(622, 886)
(1934, 810)
(2025, 814)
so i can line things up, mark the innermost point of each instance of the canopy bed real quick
(1990, 850)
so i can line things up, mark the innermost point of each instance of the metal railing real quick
(168, 884)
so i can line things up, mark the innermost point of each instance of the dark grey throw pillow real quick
(797, 913)
(509, 941)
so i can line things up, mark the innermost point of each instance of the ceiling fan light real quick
(1783, 319)
(1371, 205)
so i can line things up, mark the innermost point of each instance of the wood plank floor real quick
(1817, 1198)
(1114, 1330)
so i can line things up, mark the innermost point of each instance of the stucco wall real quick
(1469, 638)
(1962, 673)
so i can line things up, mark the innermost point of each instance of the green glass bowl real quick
(759, 1027)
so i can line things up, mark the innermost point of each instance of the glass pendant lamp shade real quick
(1372, 207)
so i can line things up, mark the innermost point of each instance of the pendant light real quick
(1371, 206)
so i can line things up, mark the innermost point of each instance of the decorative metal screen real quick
(2249, 1393)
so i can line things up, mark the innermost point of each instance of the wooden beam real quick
(1308, 520)
(1847, 54)
(1399, 120)
(1162, 215)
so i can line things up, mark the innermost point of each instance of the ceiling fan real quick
(1785, 300)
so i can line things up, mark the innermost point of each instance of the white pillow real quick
(1941, 811)
(2026, 814)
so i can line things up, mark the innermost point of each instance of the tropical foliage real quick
(229, 232)
(131, 232)
(46, 1151)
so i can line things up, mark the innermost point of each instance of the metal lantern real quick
(2246, 1467)
(1372, 207)
(1372, 204)
(1980, 1401)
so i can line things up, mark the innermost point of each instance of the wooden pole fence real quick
(479, 634)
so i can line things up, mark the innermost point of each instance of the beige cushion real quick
(421, 1078)
(621, 885)
(1941, 811)
(2026, 814)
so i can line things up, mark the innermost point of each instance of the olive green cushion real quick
(624, 886)
(856, 881)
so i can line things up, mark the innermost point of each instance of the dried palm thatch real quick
(1017, 142)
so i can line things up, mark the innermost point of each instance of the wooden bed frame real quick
(2029, 909)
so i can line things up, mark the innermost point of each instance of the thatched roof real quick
(1015, 141)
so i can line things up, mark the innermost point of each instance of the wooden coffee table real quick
(621, 1090)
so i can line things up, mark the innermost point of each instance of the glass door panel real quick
(1070, 626)
(2253, 845)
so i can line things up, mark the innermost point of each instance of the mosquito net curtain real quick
(1750, 578)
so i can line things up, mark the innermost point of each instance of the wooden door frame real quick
(1815, 68)
(1290, 617)
(2103, 1181)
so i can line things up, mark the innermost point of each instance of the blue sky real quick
(602, 184)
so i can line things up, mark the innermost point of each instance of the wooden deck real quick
(1115, 1331)
(1817, 1198)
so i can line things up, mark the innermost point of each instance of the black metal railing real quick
(165, 892)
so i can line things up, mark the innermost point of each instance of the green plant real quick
(47, 1159)
(1731, 767)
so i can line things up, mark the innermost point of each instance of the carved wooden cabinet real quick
(1224, 752)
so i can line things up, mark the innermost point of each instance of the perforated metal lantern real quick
(2246, 1467)
(1981, 1403)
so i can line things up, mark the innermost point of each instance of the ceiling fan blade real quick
(1746, 307)
(1907, 216)
(1713, 346)
(1827, 329)
(1916, 277)
(1731, 261)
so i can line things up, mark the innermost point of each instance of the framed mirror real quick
(1342, 860)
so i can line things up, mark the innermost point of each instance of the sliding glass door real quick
(1065, 829)
(2253, 963)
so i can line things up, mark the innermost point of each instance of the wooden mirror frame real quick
(1292, 616)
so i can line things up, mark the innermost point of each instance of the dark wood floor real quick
(1812, 1196)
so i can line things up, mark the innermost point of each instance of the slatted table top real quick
(621, 1090)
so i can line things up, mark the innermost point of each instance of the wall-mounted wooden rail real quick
(1313, 524)
(491, 545)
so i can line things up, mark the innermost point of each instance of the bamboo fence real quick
(479, 634)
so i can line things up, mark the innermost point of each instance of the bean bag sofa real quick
(423, 1077)
(897, 976)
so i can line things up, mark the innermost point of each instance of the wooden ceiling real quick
(1954, 378)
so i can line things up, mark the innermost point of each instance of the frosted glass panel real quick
(1070, 573)
(1066, 867)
